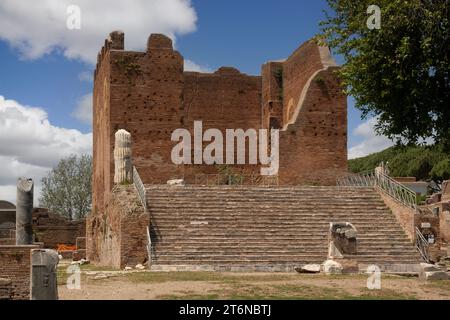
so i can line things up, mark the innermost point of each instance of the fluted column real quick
(123, 167)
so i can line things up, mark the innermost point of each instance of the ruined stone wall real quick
(102, 157)
(313, 149)
(52, 229)
(146, 100)
(15, 265)
(117, 237)
(272, 95)
(225, 99)
(297, 70)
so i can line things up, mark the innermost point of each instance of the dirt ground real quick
(99, 284)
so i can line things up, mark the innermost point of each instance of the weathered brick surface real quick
(52, 229)
(15, 265)
(6, 292)
(118, 237)
(313, 149)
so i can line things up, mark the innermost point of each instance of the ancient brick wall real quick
(6, 292)
(272, 95)
(297, 71)
(313, 149)
(118, 237)
(52, 229)
(225, 99)
(149, 95)
(102, 156)
(313, 143)
(146, 100)
(15, 265)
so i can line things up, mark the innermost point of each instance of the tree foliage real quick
(66, 190)
(400, 72)
(422, 162)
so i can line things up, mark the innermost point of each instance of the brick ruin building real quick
(49, 231)
(149, 95)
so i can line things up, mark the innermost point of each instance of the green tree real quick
(422, 162)
(66, 190)
(400, 72)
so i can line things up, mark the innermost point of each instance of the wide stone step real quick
(259, 227)
(237, 232)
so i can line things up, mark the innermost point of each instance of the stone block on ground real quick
(309, 268)
(332, 267)
(427, 267)
(176, 182)
(433, 275)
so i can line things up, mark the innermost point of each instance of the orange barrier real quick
(64, 247)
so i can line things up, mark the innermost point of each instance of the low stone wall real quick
(52, 229)
(405, 216)
(117, 237)
(15, 266)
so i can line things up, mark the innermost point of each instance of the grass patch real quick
(442, 285)
(158, 277)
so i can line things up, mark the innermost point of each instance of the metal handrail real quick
(140, 188)
(366, 179)
(422, 245)
(396, 190)
(384, 183)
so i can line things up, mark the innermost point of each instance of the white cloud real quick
(192, 66)
(86, 76)
(83, 110)
(37, 28)
(30, 145)
(371, 141)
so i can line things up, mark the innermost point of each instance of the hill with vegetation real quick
(422, 162)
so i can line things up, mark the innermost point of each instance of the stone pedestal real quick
(44, 274)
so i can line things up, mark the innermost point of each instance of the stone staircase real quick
(268, 228)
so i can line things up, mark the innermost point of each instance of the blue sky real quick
(45, 65)
(243, 34)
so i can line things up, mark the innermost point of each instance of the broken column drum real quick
(24, 212)
(123, 167)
